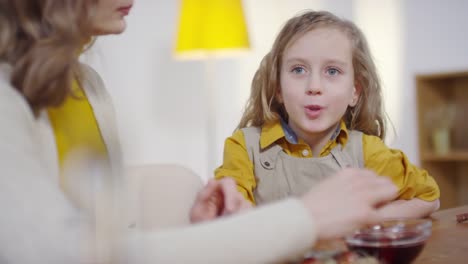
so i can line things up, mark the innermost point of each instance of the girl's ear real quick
(356, 93)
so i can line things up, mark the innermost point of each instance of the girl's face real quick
(317, 82)
(109, 16)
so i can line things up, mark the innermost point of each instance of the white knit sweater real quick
(38, 224)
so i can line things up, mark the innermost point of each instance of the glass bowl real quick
(391, 241)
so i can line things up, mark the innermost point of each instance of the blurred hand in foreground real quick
(347, 201)
(218, 198)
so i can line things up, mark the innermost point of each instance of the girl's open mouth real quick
(313, 111)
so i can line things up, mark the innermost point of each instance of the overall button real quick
(267, 164)
(305, 153)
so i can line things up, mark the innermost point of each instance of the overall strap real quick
(252, 140)
(354, 147)
(261, 158)
(340, 157)
(351, 155)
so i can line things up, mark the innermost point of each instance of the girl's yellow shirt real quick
(413, 182)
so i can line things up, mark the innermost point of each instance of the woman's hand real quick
(218, 198)
(348, 200)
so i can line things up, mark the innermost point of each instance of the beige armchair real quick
(162, 194)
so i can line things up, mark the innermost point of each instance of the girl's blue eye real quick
(333, 71)
(298, 70)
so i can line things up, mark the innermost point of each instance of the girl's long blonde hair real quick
(41, 40)
(263, 107)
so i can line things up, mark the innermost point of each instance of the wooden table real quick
(448, 243)
(449, 240)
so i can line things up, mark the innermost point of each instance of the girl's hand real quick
(413, 208)
(218, 198)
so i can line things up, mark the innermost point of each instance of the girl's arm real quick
(238, 166)
(414, 208)
(418, 192)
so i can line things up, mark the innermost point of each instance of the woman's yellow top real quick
(75, 126)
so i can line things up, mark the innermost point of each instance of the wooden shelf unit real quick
(450, 169)
(451, 156)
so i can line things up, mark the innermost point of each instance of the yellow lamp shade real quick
(207, 26)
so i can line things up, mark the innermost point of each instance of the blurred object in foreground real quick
(94, 188)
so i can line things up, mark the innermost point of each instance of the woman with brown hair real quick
(54, 109)
(51, 106)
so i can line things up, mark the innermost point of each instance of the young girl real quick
(316, 108)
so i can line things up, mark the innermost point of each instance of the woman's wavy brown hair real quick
(263, 106)
(41, 40)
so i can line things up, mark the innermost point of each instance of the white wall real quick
(160, 103)
(436, 40)
(381, 23)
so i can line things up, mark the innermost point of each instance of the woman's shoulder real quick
(18, 122)
(5, 77)
(12, 104)
(89, 75)
(7, 90)
(87, 70)
(92, 83)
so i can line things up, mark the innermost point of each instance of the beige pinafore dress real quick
(280, 175)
